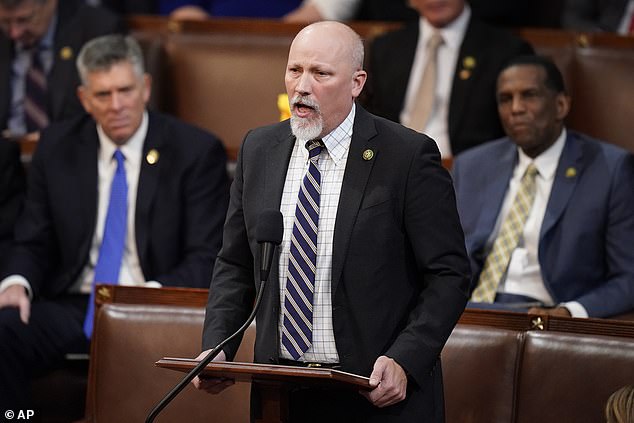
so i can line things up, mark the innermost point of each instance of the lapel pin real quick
(152, 156)
(571, 172)
(368, 155)
(464, 74)
(469, 62)
(66, 53)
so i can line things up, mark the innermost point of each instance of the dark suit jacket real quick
(399, 270)
(594, 15)
(76, 24)
(585, 247)
(473, 116)
(180, 206)
(385, 10)
(12, 187)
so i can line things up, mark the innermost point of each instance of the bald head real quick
(324, 75)
(337, 36)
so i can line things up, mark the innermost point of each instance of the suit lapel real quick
(400, 78)
(355, 180)
(494, 190)
(85, 162)
(568, 172)
(148, 183)
(277, 159)
(61, 76)
(461, 86)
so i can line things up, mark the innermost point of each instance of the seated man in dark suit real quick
(548, 213)
(38, 44)
(448, 94)
(12, 185)
(131, 197)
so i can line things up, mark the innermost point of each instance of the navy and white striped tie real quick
(35, 115)
(297, 334)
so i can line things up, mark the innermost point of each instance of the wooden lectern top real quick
(270, 373)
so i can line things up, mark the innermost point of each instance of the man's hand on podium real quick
(390, 382)
(212, 385)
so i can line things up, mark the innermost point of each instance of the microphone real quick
(268, 234)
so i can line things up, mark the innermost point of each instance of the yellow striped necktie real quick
(498, 259)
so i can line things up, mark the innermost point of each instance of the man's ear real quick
(147, 85)
(82, 94)
(358, 81)
(563, 105)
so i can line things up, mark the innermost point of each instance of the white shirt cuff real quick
(153, 284)
(16, 280)
(576, 309)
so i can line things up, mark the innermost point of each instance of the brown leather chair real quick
(227, 83)
(569, 377)
(501, 367)
(124, 384)
(479, 365)
(498, 367)
(603, 85)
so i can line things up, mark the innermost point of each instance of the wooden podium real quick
(273, 381)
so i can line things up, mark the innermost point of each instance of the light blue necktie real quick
(297, 333)
(113, 240)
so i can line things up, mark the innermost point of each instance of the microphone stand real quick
(203, 363)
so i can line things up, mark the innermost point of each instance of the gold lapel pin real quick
(368, 155)
(152, 156)
(66, 53)
(571, 172)
(469, 62)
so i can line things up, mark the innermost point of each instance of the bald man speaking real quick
(371, 275)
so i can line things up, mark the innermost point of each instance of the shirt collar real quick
(452, 34)
(547, 162)
(337, 142)
(132, 149)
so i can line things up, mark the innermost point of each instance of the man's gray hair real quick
(99, 54)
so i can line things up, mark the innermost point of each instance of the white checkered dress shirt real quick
(332, 164)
